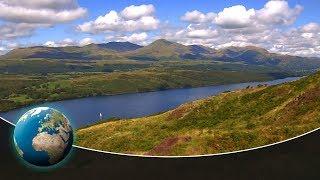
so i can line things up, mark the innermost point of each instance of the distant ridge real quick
(164, 50)
(119, 46)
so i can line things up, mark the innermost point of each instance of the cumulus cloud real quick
(50, 44)
(197, 32)
(270, 27)
(273, 13)
(311, 27)
(69, 42)
(235, 17)
(40, 12)
(64, 43)
(136, 12)
(86, 41)
(28, 15)
(126, 21)
(201, 33)
(137, 38)
(198, 17)
(278, 13)
(302, 41)
(296, 41)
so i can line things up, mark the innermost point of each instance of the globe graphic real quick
(43, 136)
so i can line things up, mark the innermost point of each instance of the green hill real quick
(228, 122)
(159, 50)
(62, 53)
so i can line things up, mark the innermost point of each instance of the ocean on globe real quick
(43, 136)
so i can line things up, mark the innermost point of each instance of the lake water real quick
(85, 111)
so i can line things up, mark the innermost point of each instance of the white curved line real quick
(7, 121)
(191, 156)
(195, 156)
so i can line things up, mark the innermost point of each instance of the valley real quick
(34, 81)
(38, 74)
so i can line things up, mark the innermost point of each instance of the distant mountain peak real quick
(246, 48)
(119, 46)
(200, 49)
(162, 42)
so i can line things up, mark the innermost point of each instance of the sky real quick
(281, 26)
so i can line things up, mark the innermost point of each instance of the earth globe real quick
(43, 136)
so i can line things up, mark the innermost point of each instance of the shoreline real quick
(128, 93)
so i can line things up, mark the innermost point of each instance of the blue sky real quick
(173, 9)
(279, 26)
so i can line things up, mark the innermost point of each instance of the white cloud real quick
(198, 17)
(50, 4)
(50, 44)
(86, 41)
(22, 17)
(136, 37)
(136, 12)
(63, 43)
(298, 42)
(278, 13)
(273, 13)
(235, 17)
(307, 35)
(69, 42)
(199, 32)
(6, 47)
(269, 27)
(47, 12)
(3, 50)
(311, 27)
(15, 30)
(233, 43)
(113, 21)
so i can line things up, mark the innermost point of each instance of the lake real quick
(85, 111)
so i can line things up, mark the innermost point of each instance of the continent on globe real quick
(43, 136)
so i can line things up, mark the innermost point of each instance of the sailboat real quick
(100, 116)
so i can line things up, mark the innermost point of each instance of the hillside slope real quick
(90, 52)
(228, 122)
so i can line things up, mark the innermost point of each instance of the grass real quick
(228, 122)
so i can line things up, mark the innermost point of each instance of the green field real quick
(25, 82)
(228, 122)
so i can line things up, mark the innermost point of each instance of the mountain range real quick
(161, 50)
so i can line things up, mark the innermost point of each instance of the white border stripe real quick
(194, 156)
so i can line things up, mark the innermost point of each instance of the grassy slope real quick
(227, 122)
